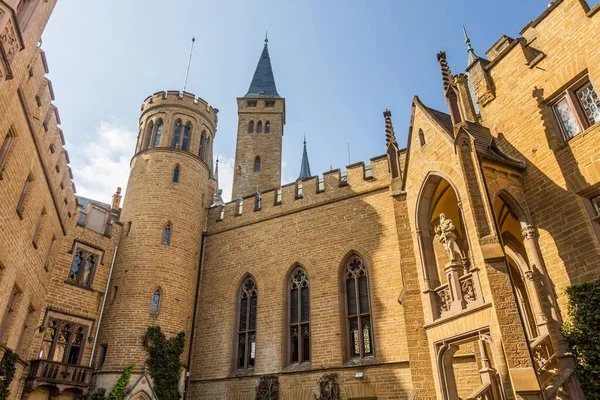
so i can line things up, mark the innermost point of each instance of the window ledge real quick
(238, 373)
(369, 360)
(305, 366)
(575, 139)
(68, 282)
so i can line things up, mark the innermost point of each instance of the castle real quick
(435, 271)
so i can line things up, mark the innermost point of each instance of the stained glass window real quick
(176, 135)
(360, 340)
(299, 319)
(567, 118)
(156, 301)
(158, 134)
(166, 239)
(187, 131)
(590, 102)
(246, 338)
(83, 268)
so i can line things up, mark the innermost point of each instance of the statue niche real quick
(446, 234)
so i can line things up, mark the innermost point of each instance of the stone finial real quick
(390, 136)
(446, 74)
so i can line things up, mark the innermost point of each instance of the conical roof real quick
(304, 166)
(263, 82)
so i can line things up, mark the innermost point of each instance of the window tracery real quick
(63, 341)
(83, 268)
(358, 312)
(246, 337)
(299, 317)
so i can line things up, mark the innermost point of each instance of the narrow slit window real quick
(38, 228)
(148, 135)
(5, 149)
(176, 135)
(259, 127)
(257, 164)
(158, 134)
(176, 174)
(23, 198)
(156, 301)
(202, 150)
(251, 127)
(166, 239)
(267, 127)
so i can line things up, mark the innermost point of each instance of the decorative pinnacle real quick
(266, 38)
(390, 136)
(446, 74)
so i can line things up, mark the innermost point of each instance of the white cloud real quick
(103, 163)
(226, 175)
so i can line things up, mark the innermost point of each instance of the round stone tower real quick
(164, 213)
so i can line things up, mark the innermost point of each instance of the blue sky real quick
(339, 64)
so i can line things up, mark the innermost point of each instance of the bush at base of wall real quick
(7, 372)
(582, 333)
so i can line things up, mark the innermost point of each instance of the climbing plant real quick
(582, 333)
(98, 394)
(118, 392)
(268, 388)
(164, 362)
(7, 372)
(329, 388)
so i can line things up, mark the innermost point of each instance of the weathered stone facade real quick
(434, 272)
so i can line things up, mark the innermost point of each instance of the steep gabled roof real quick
(263, 82)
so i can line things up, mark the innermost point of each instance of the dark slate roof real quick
(84, 201)
(304, 166)
(485, 143)
(263, 82)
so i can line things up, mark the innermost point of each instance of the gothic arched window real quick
(176, 174)
(202, 149)
(187, 131)
(251, 127)
(299, 317)
(63, 342)
(176, 135)
(158, 134)
(148, 135)
(257, 164)
(166, 238)
(259, 127)
(359, 327)
(246, 327)
(267, 127)
(156, 301)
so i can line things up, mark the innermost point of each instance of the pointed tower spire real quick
(304, 166)
(472, 56)
(390, 136)
(263, 82)
(446, 74)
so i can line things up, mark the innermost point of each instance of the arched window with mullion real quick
(176, 134)
(158, 133)
(148, 135)
(298, 317)
(187, 132)
(359, 326)
(246, 327)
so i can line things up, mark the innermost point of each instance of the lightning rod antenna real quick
(187, 71)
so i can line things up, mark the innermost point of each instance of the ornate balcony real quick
(62, 376)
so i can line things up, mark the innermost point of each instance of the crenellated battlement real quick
(176, 98)
(334, 185)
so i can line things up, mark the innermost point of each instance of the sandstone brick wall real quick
(143, 263)
(557, 172)
(319, 232)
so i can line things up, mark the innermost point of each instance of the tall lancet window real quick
(187, 131)
(166, 238)
(299, 317)
(176, 174)
(257, 164)
(156, 301)
(158, 134)
(267, 127)
(246, 337)
(358, 309)
(176, 135)
(202, 150)
(259, 127)
(251, 127)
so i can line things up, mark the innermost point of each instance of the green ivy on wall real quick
(118, 392)
(582, 333)
(164, 362)
(7, 372)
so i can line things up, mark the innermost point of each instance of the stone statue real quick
(445, 231)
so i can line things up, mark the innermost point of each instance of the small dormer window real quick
(577, 108)
(269, 104)
(251, 103)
